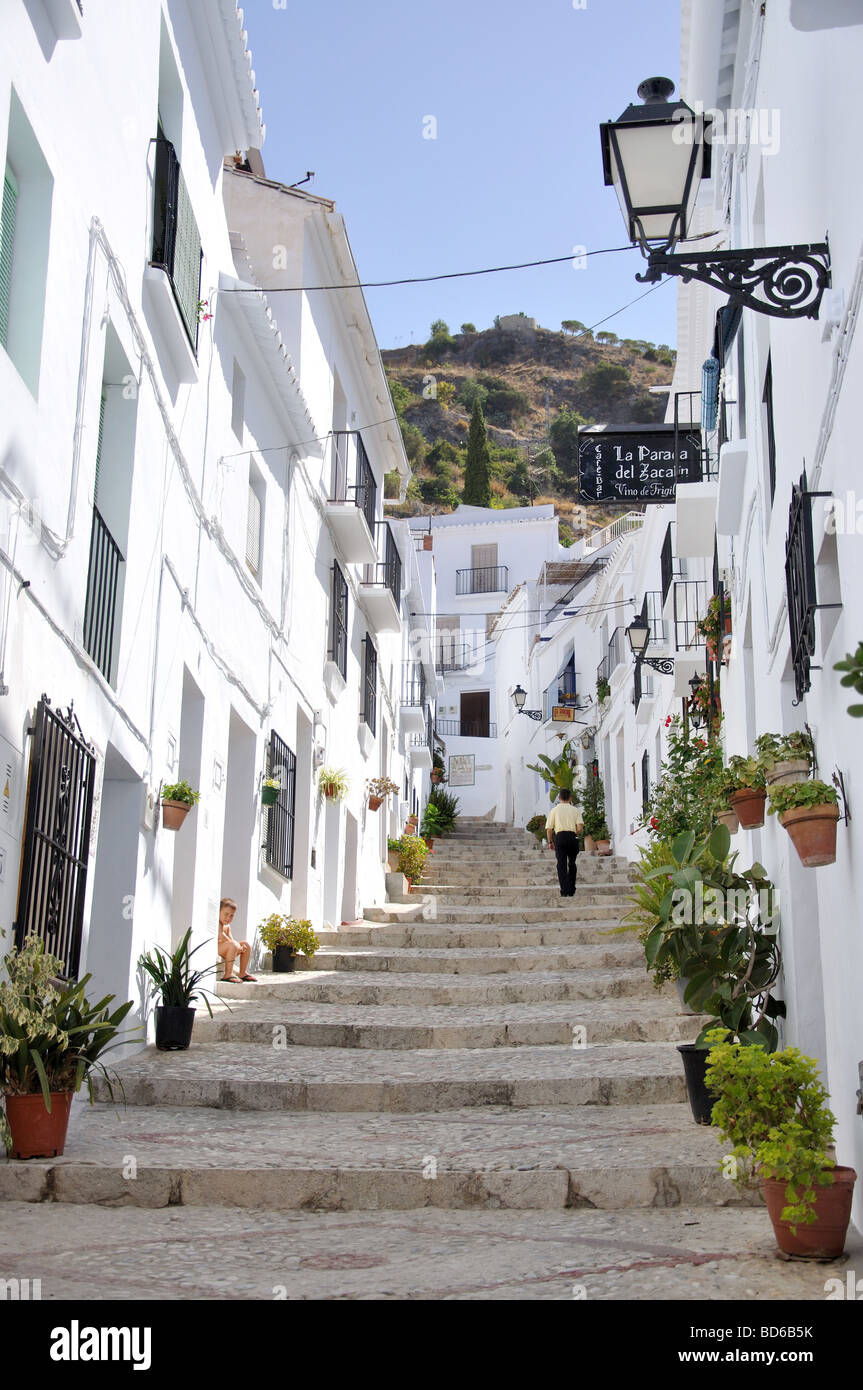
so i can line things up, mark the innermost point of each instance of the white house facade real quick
(196, 572)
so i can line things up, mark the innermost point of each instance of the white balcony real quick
(696, 520)
(352, 499)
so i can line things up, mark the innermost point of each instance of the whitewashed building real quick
(193, 549)
(481, 556)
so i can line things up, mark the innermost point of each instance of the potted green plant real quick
(557, 772)
(446, 805)
(412, 857)
(178, 798)
(51, 1040)
(603, 690)
(715, 625)
(431, 825)
(379, 788)
(393, 850)
(786, 758)
(772, 1108)
(438, 772)
(286, 937)
(536, 827)
(593, 811)
(715, 928)
(603, 839)
(270, 788)
(742, 785)
(726, 815)
(177, 984)
(809, 811)
(333, 783)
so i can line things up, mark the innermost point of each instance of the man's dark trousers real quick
(566, 849)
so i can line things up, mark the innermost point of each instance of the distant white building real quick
(481, 555)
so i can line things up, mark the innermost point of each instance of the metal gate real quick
(56, 835)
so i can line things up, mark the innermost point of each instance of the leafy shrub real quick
(446, 806)
(295, 932)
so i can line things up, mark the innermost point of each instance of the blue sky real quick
(514, 174)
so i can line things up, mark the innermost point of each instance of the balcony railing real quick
(616, 649)
(100, 611)
(176, 239)
(351, 476)
(486, 579)
(413, 683)
(456, 654)
(690, 604)
(471, 728)
(387, 572)
(651, 613)
(666, 562)
(603, 670)
(426, 738)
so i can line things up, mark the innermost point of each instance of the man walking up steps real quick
(562, 827)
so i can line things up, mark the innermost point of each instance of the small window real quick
(238, 400)
(254, 521)
(339, 621)
(279, 842)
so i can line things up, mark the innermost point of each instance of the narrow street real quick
(478, 1096)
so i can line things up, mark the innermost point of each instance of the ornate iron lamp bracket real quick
(663, 664)
(785, 281)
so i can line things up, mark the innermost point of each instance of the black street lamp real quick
(638, 635)
(655, 155)
(519, 696)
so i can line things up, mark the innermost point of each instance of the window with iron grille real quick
(176, 239)
(645, 779)
(800, 584)
(339, 622)
(279, 828)
(370, 685)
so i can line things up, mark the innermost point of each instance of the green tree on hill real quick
(477, 469)
(564, 441)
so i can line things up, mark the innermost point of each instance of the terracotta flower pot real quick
(589, 845)
(393, 861)
(375, 803)
(792, 770)
(35, 1132)
(329, 791)
(603, 847)
(749, 805)
(813, 833)
(174, 813)
(436, 776)
(824, 1239)
(729, 819)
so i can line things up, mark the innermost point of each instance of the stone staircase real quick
(489, 1046)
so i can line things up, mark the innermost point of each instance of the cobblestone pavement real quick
(474, 1097)
(217, 1253)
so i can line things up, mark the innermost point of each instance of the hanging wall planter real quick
(270, 792)
(749, 806)
(730, 820)
(333, 783)
(375, 803)
(813, 833)
(787, 773)
(178, 798)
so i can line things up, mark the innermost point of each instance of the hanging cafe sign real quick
(636, 463)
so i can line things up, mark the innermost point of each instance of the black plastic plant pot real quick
(269, 796)
(174, 1027)
(284, 960)
(694, 1067)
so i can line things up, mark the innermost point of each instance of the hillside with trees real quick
(495, 414)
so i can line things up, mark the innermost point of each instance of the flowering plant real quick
(682, 796)
(201, 316)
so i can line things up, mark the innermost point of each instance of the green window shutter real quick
(99, 449)
(7, 242)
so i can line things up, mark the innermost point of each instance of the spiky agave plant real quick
(174, 977)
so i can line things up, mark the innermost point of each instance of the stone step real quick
(245, 1076)
(568, 911)
(301, 1024)
(544, 894)
(426, 934)
(480, 960)
(625, 1157)
(392, 989)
